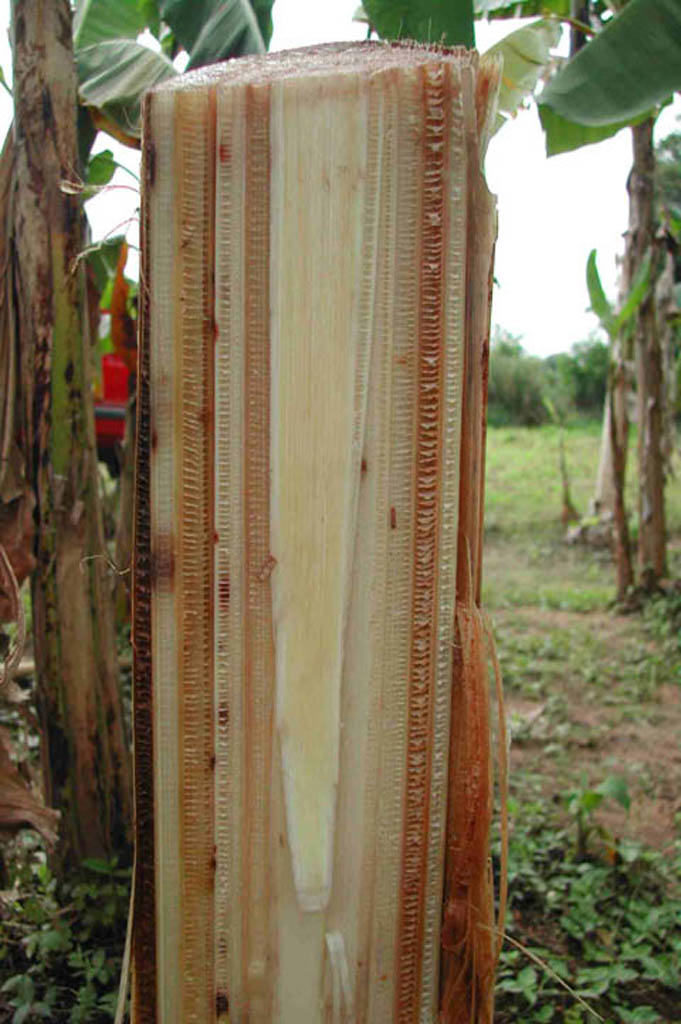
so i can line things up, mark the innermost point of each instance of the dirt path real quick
(589, 695)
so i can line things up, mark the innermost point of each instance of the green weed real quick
(606, 922)
(61, 946)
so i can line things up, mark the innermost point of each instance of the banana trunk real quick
(317, 249)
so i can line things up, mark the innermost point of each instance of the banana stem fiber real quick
(313, 775)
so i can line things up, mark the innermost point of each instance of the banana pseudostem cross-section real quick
(317, 252)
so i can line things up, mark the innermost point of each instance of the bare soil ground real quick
(620, 724)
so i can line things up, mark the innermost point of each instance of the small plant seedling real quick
(584, 800)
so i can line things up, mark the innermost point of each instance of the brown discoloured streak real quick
(150, 164)
(364, 467)
(224, 591)
(266, 569)
(144, 994)
(194, 300)
(162, 565)
(393, 518)
(467, 810)
(436, 97)
(258, 718)
(221, 1003)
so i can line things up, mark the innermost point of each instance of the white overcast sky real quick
(551, 212)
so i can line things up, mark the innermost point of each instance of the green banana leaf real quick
(427, 21)
(263, 12)
(113, 75)
(525, 53)
(494, 9)
(562, 136)
(618, 78)
(212, 30)
(95, 21)
(100, 169)
(639, 290)
(599, 302)
(521, 8)
(613, 323)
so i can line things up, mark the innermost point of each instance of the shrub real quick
(524, 388)
(579, 377)
(517, 385)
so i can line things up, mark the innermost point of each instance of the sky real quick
(552, 212)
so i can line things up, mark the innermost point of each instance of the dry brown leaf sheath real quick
(317, 252)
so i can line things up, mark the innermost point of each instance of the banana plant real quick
(115, 68)
(619, 325)
(631, 62)
(620, 78)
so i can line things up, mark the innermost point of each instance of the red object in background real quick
(110, 408)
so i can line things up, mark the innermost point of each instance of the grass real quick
(594, 704)
(524, 495)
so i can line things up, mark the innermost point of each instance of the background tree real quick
(618, 77)
(630, 66)
(668, 297)
(85, 758)
(75, 74)
(625, 62)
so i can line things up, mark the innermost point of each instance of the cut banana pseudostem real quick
(317, 255)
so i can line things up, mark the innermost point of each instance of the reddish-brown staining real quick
(212, 762)
(221, 1002)
(154, 440)
(430, 369)
(225, 151)
(266, 569)
(258, 715)
(454, 924)
(467, 935)
(149, 163)
(364, 467)
(224, 587)
(483, 456)
(216, 537)
(194, 212)
(393, 518)
(162, 563)
(204, 417)
(144, 897)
